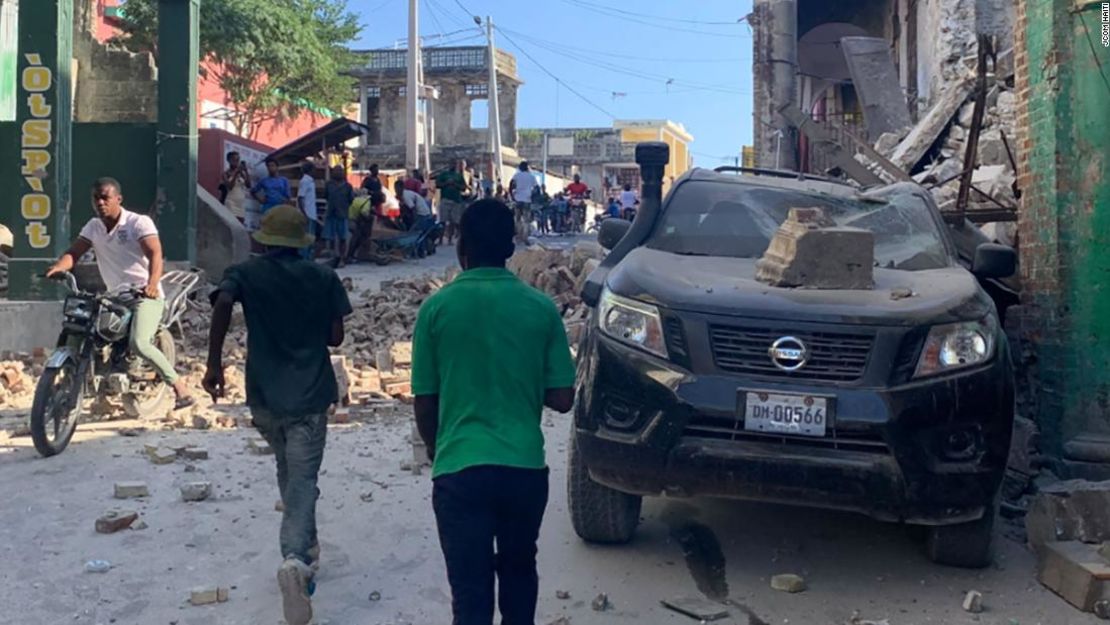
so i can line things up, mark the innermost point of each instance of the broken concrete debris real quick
(194, 453)
(128, 490)
(208, 595)
(811, 252)
(1075, 571)
(601, 603)
(196, 491)
(697, 608)
(259, 447)
(161, 455)
(973, 602)
(562, 595)
(115, 520)
(788, 582)
(1075, 510)
(98, 566)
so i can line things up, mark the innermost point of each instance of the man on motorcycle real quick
(578, 190)
(578, 193)
(129, 256)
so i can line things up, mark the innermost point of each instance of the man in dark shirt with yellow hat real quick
(489, 353)
(294, 310)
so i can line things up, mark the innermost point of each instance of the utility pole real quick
(494, 115)
(412, 93)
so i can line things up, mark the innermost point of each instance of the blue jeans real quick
(298, 444)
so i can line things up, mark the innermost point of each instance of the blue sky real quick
(601, 47)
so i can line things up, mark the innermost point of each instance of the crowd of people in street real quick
(478, 396)
(344, 217)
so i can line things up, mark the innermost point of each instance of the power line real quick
(618, 55)
(552, 75)
(450, 15)
(636, 73)
(435, 18)
(472, 15)
(584, 3)
(629, 18)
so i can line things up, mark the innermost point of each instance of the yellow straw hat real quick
(284, 226)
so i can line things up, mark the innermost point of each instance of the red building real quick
(212, 103)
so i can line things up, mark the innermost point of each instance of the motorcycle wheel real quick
(58, 404)
(144, 402)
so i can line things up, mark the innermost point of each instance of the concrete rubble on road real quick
(1076, 510)
(129, 490)
(196, 491)
(115, 520)
(973, 602)
(1068, 528)
(209, 595)
(788, 582)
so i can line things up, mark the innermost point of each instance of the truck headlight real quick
(957, 346)
(632, 322)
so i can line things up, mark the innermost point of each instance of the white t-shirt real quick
(525, 182)
(119, 256)
(628, 199)
(307, 190)
(418, 204)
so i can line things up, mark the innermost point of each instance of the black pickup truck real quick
(696, 379)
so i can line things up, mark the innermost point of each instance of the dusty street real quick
(388, 545)
(379, 540)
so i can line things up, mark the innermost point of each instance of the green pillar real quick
(39, 214)
(178, 59)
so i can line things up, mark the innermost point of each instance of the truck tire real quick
(966, 545)
(599, 514)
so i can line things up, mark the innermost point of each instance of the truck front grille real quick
(833, 357)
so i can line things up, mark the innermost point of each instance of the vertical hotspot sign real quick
(43, 115)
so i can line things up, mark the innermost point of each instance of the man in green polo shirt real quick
(489, 353)
(294, 309)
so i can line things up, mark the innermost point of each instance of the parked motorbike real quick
(578, 214)
(93, 362)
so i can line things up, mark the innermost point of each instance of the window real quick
(724, 219)
(373, 92)
(402, 91)
(479, 114)
(478, 91)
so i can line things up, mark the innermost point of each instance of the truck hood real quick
(727, 286)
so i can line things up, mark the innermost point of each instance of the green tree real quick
(269, 56)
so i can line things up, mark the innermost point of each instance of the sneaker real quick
(293, 579)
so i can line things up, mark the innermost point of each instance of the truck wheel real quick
(599, 514)
(966, 545)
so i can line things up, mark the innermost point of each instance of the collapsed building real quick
(456, 125)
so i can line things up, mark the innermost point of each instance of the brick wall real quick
(1063, 326)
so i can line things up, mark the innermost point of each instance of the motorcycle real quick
(92, 361)
(577, 214)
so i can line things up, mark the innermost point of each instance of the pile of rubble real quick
(935, 149)
(16, 383)
(561, 274)
(374, 363)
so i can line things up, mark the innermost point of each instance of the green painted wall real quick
(125, 152)
(1085, 210)
(1065, 220)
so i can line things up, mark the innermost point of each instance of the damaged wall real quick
(112, 84)
(1064, 322)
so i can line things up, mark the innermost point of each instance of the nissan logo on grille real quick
(789, 353)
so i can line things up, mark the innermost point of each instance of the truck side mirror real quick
(612, 231)
(994, 261)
